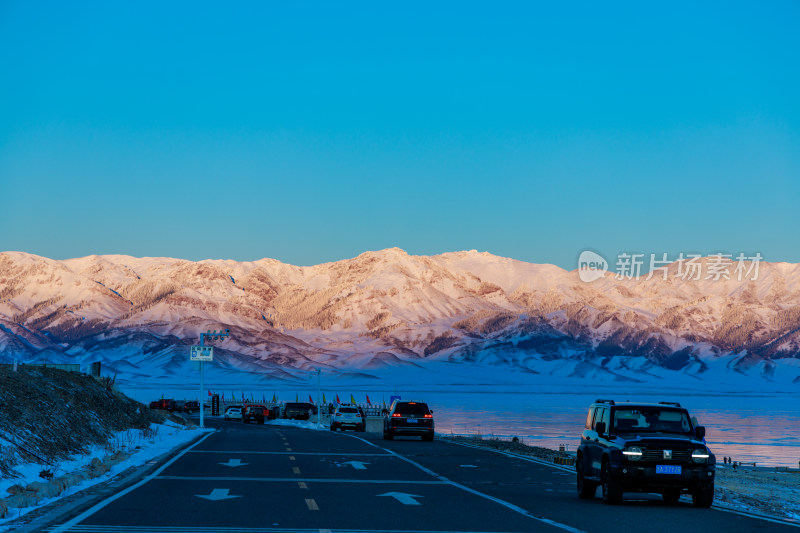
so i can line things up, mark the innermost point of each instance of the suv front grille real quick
(657, 455)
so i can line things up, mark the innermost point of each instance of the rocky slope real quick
(387, 309)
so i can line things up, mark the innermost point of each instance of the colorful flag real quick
(324, 401)
(353, 399)
(296, 397)
(310, 399)
(368, 402)
(274, 398)
(209, 393)
(338, 401)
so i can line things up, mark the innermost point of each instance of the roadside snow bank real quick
(38, 485)
(305, 424)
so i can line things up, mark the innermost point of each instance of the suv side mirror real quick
(600, 427)
(700, 431)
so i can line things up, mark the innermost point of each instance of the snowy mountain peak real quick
(389, 308)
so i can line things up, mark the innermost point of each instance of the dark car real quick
(154, 405)
(641, 447)
(408, 418)
(166, 404)
(299, 410)
(191, 407)
(254, 413)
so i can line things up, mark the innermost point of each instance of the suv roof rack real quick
(674, 404)
(610, 402)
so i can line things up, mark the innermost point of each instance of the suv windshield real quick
(651, 419)
(412, 408)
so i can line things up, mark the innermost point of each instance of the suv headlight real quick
(632, 453)
(700, 455)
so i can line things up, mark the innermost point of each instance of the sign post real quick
(204, 353)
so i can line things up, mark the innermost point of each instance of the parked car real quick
(643, 447)
(191, 407)
(254, 413)
(234, 412)
(165, 404)
(348, 416)
(154, 405)
(299, 410)
(274, 412)
(408, 418)
(177, 406)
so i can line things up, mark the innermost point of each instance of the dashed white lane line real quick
(312, 505)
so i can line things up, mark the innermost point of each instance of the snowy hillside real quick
(384, 311)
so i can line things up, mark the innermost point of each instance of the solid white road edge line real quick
(89, 512)
(504, 503)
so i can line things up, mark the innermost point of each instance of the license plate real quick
(412, 420)
(668, 469)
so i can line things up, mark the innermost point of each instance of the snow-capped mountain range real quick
(387, 311)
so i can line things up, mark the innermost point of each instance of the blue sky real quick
(311, 132)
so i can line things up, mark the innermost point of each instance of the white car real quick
(348, 416)
(234, 412)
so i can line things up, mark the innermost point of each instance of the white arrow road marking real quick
(402, 497)
(217, 494)
(468, 466)
(234, 462)
(358, 465)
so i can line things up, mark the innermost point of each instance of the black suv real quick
(640, 447)
(299, 410)
(254, 413)
(408, 418)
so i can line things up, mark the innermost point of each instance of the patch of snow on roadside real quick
(143, 445)
(305, 424)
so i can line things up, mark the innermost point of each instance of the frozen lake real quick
(751, 427)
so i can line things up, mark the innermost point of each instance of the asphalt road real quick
(282, 479)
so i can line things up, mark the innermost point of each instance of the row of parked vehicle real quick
(258, 413)
(179, 406)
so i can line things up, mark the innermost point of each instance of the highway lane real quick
(280, 478)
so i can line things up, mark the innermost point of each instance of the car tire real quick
(703, 495)
(612, 492)
(388, 435)
(586, 489)
(333, 428)
(428, 437)
(671, 496)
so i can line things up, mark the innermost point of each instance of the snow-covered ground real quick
(143, 445)
(764, 491)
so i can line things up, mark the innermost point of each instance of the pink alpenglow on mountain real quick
(388, 312)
